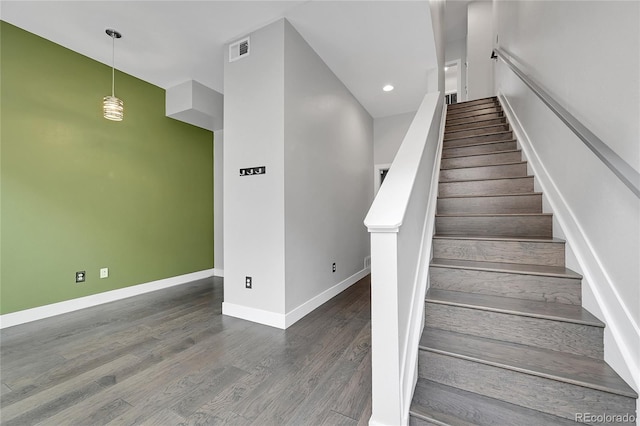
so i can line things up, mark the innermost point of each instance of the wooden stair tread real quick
(501, 238)
(484, 180)
(478, 143)
(516, 194)
(484, 165)
(492, 214)
(529, 308)
(473, 102)
(455, 127)
(444, 405)
(512, 268)
(484, 154)
(471, 129)
(561, 366)
(480, 135)
(473, 111)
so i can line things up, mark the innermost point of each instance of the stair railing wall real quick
(401, 224)
(597, 212)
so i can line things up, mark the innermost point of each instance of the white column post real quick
(385, 341)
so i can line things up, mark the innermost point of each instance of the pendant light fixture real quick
(112, 107)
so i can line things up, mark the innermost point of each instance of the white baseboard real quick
(311, 304)
(217, 272)
(619, 320)
(46, 311)
(272, 319)
(284, 321)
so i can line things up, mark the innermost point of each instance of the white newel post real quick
(385, 341)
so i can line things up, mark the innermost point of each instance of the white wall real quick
(436, 77)
(457, 50)
(254, 205)
(388, 133)
(218, 201)
(479, 47)
(284, 109)
(590, 64)
(328, 186)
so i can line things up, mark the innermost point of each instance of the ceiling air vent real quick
(239, 49)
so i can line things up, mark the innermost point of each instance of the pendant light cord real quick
(113, 65)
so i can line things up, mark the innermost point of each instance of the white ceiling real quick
(367, 44)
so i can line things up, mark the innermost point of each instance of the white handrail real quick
(400, 251)
(627, 174)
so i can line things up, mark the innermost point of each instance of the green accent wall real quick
(79, 192)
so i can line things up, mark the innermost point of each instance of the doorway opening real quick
(452, 82)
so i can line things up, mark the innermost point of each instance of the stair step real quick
(524, 375)
(508, 185)
(479, 148)
(472, 140)
(563, 367)
(466, 107)
(472, 108)
(548, 311)
(529, 251)
(462, 105)
(479, 117)
(473, 112)
(520, 224)
(498, 157)
(474, 124)
(554, 326)
(500, 203)
(453, 134)
(487, 171)
(437, 404)
(554, 284)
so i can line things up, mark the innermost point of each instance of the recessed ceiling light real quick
(387, 88)
(446, 68)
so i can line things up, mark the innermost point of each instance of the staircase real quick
(506, 341)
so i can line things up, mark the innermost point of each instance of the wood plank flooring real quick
(171, 358)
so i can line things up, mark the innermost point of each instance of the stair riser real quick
(538, 393)
(574, 338)
(448, 134)
(504, 226)
(518, 286)
(451, 112)
(474, 124)
(527, 252)
(486, 187)
(473, 113)
(484, 172)
(471, 140)
(473, 119)
(485, 148)
(503, 204)
(463, 105)
(482, 160)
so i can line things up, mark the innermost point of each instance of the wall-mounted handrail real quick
(627, 174)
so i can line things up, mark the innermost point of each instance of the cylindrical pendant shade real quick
(113, 108)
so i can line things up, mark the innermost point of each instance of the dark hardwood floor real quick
(171, 358)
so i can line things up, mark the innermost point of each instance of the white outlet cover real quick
(104, 273)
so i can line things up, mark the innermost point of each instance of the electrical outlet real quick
(80, 276)
(333, 267)
(104, 273)
(247, 282)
